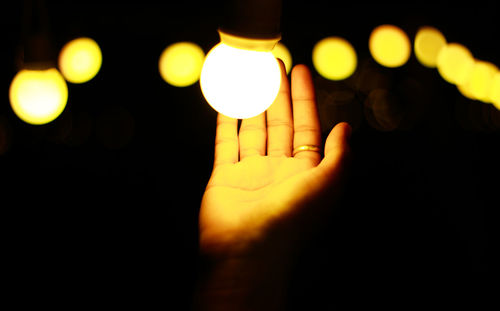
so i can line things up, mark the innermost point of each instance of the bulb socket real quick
(257, 20)
(37, 48)
(38, 53)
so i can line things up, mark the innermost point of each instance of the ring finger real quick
(307, 130)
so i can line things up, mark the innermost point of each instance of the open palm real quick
(257, 184)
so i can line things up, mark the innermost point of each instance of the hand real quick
(260, 195)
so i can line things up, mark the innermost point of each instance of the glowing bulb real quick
(428, 42)
(480, 81)
(180, 63)
(334, 58)
(38, 96)
(280, 51)
(389, 46)
(240, 83)
(454, 63)
(80, 60)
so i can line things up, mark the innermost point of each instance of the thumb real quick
(336, 151)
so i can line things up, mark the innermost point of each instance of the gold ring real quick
(306, 148)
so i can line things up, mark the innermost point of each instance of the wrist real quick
(243, 283)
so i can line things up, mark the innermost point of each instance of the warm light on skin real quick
(334, 58)
(240, 83)
(494, 96)
(180, 63)
(38, 96)
(480, 81)
(80, 60)
(455, 63)
(389, 46)
(281, 51)
(428, 42)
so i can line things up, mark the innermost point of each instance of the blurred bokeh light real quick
(281, 51)
(334, 58)
(428, 42)
(480, 81)
(389, 46)
(455, 63)
(180, 63)
(80, 60)
(38, 96)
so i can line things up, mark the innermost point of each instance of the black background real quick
(99, 208)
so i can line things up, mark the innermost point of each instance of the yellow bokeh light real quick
(240, 83)
(38, 96)
(480, 81)
(455, 63)
(389, 46)
(428, 42)
(180, 63)
(465, 91)
(281, 51)
(494, 96)
(334, 58)
(80, 60)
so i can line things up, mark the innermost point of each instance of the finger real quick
(252, 136)
(226, 141)
(306, 124)
(279, 121)
(336, 151)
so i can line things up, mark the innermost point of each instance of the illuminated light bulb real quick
(281, 51)
(80, 60)
(389, 46)
(180, 63)
(240, 82)
(334, 58)
(38, 96)
(494, 96)
(480, 81)
(428, 42)
(455, 63)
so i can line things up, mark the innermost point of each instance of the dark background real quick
(99, 208)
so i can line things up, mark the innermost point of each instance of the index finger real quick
(226, 141)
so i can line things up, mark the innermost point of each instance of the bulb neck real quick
(42, 65)
(38, 51)
(251, 24)
(253, 44)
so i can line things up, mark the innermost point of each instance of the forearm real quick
(243, 284)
